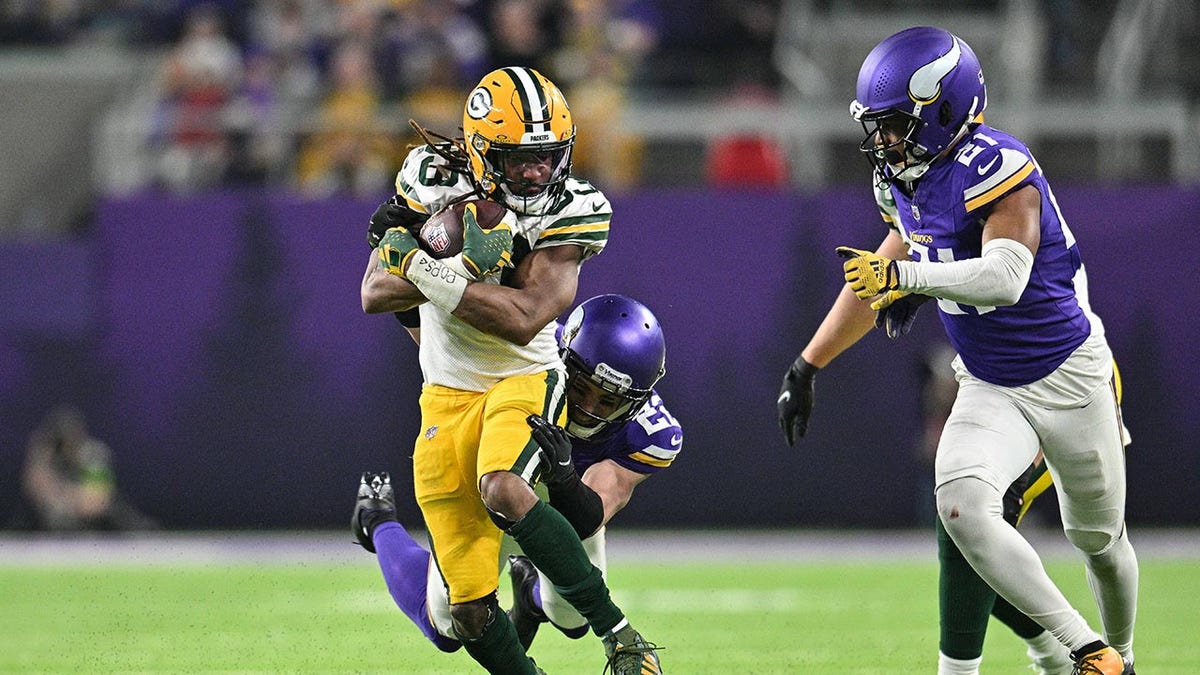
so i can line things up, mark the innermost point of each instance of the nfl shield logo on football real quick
(916, 212)
(437, 239)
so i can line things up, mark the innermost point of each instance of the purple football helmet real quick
(614, 352)
(925, 86)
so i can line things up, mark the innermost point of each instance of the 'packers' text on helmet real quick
(614, 351)
(926, 87)
(519, 135)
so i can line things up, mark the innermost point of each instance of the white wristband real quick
(441, 285)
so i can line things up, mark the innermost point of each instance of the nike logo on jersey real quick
(676, 439)
(596, 207)
(987, 167)
(784, 397)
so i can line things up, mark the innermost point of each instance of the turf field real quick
(194, 612)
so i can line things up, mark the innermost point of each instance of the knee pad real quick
(471, 619)
(1092, 542)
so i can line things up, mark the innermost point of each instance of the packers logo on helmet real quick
(519, 135)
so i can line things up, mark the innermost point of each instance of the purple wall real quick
(218, 344)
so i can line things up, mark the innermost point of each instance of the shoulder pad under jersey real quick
(426, 183)
(991, 168)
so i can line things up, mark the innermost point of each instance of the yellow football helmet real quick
(519, 135)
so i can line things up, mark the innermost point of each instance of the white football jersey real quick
(455, 354)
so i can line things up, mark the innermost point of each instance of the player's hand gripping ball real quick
(479, 229)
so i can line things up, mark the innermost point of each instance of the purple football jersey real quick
(942, 221)
(648, 443)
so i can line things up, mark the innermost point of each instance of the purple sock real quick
(405, 567)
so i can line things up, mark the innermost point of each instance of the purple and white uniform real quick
(646, 444)
(942, 221)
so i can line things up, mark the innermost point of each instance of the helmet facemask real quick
(505, 169)
(599, 401)
(901, 159)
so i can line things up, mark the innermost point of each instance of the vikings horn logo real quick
(925, 85)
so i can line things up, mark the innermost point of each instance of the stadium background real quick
(182, 225)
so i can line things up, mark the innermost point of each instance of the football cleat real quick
(525, 615)
(376, 504)
(1099, 659)
(629, 654)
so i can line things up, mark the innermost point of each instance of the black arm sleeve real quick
(409, 318)
(580, 505)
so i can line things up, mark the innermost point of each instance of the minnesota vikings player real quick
(488, 355)
(618, 433)
(976, 227)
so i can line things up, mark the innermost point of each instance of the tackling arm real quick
(614, 483)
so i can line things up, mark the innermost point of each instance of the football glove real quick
(395, 250)
(896, 312)
(555, 448)
(795, 401)
(485, 252)
(868, 274)
(391, 214)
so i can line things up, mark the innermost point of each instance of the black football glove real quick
(392, 214)
(896, 312)
(796, 399)
(555, 447)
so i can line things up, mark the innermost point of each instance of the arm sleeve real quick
(580, 505)
(996, 278)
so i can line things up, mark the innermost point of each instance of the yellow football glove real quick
(395, 250)
(887, 299)
(868, 274)
(488, 251)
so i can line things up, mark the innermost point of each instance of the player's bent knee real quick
(471, 619)
(506, 496)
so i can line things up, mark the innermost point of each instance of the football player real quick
(976, 227)
(618, 433)
(488, 354)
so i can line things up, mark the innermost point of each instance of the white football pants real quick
(991, 437)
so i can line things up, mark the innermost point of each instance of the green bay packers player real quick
(489, 357)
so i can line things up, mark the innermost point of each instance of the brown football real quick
(442, 235)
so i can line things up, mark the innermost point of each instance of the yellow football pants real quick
(466, 435)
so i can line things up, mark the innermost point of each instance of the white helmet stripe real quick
(536, 111)
(926, 84)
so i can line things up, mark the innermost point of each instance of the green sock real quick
(499, 649)
(965, 601)
(1025, 627)
(552, 544)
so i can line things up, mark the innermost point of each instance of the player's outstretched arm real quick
(848, 320)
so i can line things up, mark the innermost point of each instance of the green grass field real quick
(852, 617)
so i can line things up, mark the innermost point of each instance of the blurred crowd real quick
(318, 92)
